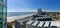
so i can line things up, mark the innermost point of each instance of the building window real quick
(3, 13)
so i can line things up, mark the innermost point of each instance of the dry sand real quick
(10, 19)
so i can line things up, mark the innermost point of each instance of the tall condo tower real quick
(39, 11)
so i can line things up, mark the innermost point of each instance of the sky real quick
(33, 5)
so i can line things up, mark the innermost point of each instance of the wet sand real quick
(10, 19)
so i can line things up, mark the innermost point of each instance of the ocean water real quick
(9, 14)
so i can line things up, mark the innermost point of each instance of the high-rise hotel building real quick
(3, 13)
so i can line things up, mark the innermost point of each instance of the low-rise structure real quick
(39, 20)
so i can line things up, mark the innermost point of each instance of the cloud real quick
(51, 10)
(22, 10)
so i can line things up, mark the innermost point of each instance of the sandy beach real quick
(10, 19)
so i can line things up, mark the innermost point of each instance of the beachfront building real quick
(39, 10)
(42, 16)
(39, 20)
(36, 24)
(3, 13)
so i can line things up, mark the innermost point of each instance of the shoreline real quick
(12, 18)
